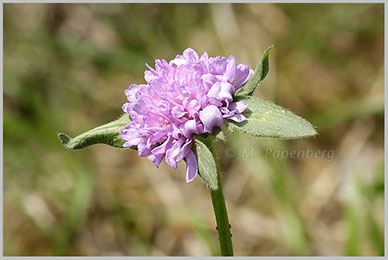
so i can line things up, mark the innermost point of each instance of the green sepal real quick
(106, 134)
(207, 166)
(218, 134)
(267, 120)
(258, 76)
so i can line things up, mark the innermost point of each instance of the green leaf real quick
(106, 134)
(207, 166)
(218, 134)
(258, 76)
(265, 119)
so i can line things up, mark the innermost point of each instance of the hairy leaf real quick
(265, 119)
(106, 134)
(258, 76)
(207, 166)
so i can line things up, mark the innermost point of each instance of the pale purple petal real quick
(230, 69)
(161, 149)
(178, 62)
(226, 92)
(234, 111)
(211, 117)
(127, 107)
(242, 75)
(191, 166)
(237, 117)
(150, 74)
(172, 153)
(156, 159)
(131, 136)
(204, 57)
(208, 80)
(190, 54)
(176, 132)
(184, 150)
(133, 142)
(133, 92)
(193, 107)
(217, 65)
(214, 90)
(190, 128)
(143, 149)
(238, 106)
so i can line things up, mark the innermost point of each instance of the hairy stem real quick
(218, 200)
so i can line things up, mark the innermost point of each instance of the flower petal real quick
(161, 149)
(217, 65)
(184, 150)
(211, 117)
(191, 166)
(133, 92)
(143, 149)
(208, 80)
(190, 54)
(226, 92)
(237, 117)
(190, 128)
(230, 69)
(171, 154)
(156, 159)
(238, 106)
(242, 75)
(214, 90)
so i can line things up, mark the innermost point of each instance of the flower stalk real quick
(220, 211)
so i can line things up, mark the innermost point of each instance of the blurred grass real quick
(66, 67)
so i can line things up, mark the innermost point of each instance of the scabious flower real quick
(187, 96)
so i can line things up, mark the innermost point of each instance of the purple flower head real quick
(187, 96)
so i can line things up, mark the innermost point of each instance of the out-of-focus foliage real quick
(66, 67)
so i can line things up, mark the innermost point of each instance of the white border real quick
(1, 130)
(192, 257)
(199, 1)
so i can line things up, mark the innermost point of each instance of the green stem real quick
(218, 200)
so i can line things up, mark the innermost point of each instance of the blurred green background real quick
(66, 67)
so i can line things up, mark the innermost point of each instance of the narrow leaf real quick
(106, 134)
(265, 119)
(258, 76)
(207, 166)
